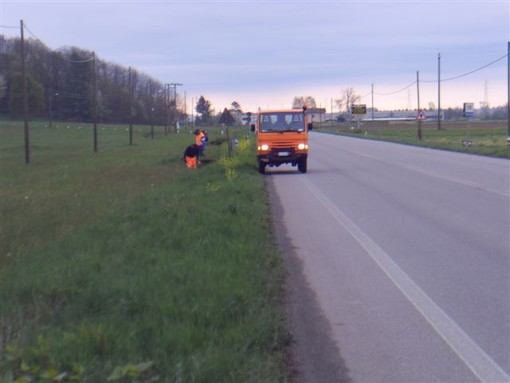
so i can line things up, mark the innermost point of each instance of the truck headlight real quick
(263, 147)
(302, 146)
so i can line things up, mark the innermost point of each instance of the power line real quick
(441, 80)
(468, 73)
(446, 79)
(473, 71)
(397, 91)
(33, 35)
(87, 60)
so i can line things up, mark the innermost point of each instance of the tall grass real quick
(488, 138)
(126, 266)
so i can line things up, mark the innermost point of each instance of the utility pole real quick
(130, 107)
(508, 93)
(174, 103)
(151, 117)
(192, 110)
(94, 99)
(439, 91)
(419, 111)
(331, 105)
(51, 94)
(167, 105)
(372, 102)
(185, 106)
(25, 97)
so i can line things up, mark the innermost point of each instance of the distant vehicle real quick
(337, 119)
(282, 138)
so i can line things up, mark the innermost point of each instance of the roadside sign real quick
(469, 109)
(421, 116)
(359, 109)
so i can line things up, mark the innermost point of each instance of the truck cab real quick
(282, 138)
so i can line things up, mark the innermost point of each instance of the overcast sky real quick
(263, 53)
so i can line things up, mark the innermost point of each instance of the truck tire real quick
(302, 165)
(262, 167)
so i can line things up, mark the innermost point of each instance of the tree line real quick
(60, 82)
(59, 86)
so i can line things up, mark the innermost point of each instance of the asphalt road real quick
(399, 263)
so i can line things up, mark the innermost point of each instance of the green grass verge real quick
(126, 266)
(488, 138)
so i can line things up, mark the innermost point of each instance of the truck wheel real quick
(262, 167)
(302, 165)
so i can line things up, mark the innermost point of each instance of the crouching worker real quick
(191, 156)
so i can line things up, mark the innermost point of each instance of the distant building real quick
(316, 114)
(401, 115)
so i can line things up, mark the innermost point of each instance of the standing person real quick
(191, 156)
(199, 136)
(205, 140)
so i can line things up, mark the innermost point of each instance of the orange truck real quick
(282, 138)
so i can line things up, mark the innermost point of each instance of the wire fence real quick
(372, 93)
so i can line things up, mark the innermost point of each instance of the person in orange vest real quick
(205, 140)
(199, 141)
(191, 156)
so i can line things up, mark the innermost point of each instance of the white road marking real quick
(476, 359)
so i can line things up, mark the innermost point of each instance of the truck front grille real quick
(282, 144)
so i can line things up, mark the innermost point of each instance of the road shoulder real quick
(312, 354)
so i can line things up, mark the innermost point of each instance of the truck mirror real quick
(310, 126)
(252, 127)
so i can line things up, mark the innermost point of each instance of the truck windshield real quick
(282, 122)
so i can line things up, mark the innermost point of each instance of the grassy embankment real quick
(126, 266)
(487, 137)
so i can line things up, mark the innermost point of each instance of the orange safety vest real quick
(191, 162)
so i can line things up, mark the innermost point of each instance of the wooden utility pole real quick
(151, 90)
(130, 107)
(25, 96)
(331, 104)
(50, 101)
(174, 104)
(419, 110)
(192, 111)
(94, 99)
(185, 106)
(372, 102)
(439, 91)
(167, 106)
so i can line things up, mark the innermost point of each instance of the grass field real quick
(125, 266)
(486, 137)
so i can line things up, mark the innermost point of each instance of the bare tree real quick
(348, 99)
(299, 101)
